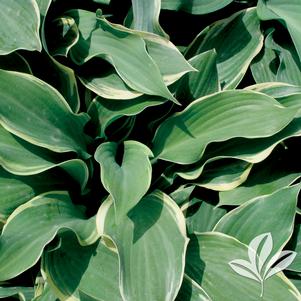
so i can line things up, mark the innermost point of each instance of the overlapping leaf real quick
(192, 291)
(107, 111)
(108, 85)
(237, 40)
(79, 272)
(287, 12)
(276, 213)
(22, 158)
(250, 150)
(201, 216)
(46, 295)
(278, 62)
(24, 293)
(218, 117)
(145, 248)
(33, 109)
(224, 175)
(197, 84)
(19, 27)
(264, 179)
(64, 80)
(33, 225)
(146, 16)
(17, 190)
(207, 263)
(122, 48)
(162, 62)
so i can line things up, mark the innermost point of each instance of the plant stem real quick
(262, 288)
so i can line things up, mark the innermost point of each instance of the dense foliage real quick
(146, 158)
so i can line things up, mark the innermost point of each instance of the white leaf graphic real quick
(263, 253)
(288, 257)
(245, 269)
(259, 250)
(270, 263)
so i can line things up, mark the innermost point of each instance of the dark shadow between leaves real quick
(144, 216)
(67, 257)
(195, 266)
(181, 125)
(185, 292)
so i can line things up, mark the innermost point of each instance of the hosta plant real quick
(149, 150)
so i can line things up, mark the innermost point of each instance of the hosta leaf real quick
(36, 112)
(182, 194)
(276, 89)
(19, 26)
(16, 190)
(127, 180)
(46, 295)
(280, 63)
(288, 12)
(107, 111)
(146, 16)
(145, 248)
(220, 174)
(191, 291)
(168, 58)
(289, 65)
(68, 36)
(65, 83)
(288, 95)
(73, 270)
(108, 85)
(237, 40)
(218, 117)
(276, 213)
(121, 130)
(105, 82)
(292, 101)
(264, 179)
(265, 65)
(64, 79)
(250, 150)
(200, 7)
(24, 293)
(207, 262)
(197, 84)
(33, 225)
(122, 49)
(43, 8)
(161, 54)
(224, 175)
(22, 158)
(202, 216)
(60, 77)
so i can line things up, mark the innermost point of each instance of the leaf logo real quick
(259, 268)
